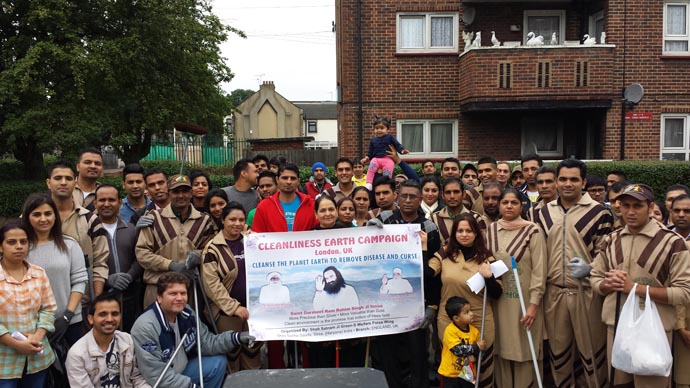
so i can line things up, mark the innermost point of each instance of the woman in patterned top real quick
(27, 312)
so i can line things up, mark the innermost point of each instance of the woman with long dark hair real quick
(201, 184)
(62, 259)
(216, 201)
(464, 255)
(361, 196)
(224, 278)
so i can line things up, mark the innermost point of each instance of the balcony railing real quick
(524, 76)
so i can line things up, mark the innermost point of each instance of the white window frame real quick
(558, 153)
(593, 19)
(427, 33)
(682, 38)
(426, 124)
(316, 126)
(544, 12)
(685, 149)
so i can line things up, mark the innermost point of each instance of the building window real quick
(311, 126)
(505, 75)
(429, 138)
(427, 32)
(676, 28)
(543, 74)
(596, 25)
(542, 136)
(675, 141)
(544, 23)
(581, 73)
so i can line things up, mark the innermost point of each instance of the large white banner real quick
(334, 284)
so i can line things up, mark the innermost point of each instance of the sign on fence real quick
(334, 284)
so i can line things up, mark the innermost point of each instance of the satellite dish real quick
(633, 93)
(468, 15)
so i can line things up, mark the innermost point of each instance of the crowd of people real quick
(98, 284)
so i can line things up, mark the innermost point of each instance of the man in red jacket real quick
(286, 210)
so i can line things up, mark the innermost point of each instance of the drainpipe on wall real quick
(360, 114)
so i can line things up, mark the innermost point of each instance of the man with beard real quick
(530, 165)
(679, 217)
(452, 194)
(245, 174)
(89, 169)
(104, 357)
(487, 171)
(332, 291)
(428, 169)
(317, 182)
(176, 230)
(156, 181)
(274, 292)
(491, 197)
(546, 185)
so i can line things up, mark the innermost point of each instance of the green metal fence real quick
(203, 151)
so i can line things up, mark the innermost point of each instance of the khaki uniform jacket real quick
(472, 199)
(79, 200)
(655, 257)
(169, 240)
(444, 221)
(85, 227)
(527, 246)
(218, 274)
(579, 232)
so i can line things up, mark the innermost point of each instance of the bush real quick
(657, 174)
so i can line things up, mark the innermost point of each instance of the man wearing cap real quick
(176, 230)
(516, 177)
(246, 175)
(274, 292)
(642, 254)
(318, 181)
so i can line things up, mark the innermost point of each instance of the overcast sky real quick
(288, 42)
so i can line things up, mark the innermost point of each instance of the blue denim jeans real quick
(214, 370)
(33, 380)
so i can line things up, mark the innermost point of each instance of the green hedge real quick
(657, 174)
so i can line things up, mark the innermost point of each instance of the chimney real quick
(268, 84)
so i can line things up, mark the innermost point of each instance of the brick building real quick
(560, 100)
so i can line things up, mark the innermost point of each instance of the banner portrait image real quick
(334, 284)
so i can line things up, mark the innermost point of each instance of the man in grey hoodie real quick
(158, 331)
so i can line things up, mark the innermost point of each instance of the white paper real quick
(498, 268)
(476, 282)
(21, 337)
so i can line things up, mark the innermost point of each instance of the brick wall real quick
(277, 145)
(436, 86)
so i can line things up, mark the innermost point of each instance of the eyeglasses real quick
(596, 191)
(408, 197)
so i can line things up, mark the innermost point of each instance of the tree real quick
(239, 96)
(93, 72)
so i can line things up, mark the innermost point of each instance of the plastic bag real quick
(641, 346)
